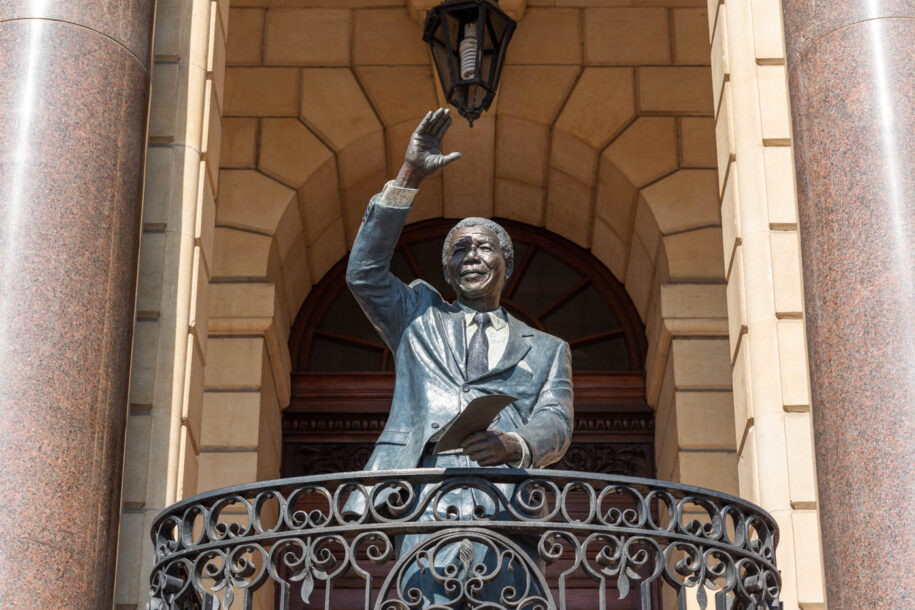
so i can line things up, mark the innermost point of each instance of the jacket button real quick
(434, 426)
(466, 388)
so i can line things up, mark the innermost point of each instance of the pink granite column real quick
(74, 96)
(851, 67)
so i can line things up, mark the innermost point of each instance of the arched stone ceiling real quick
(602, 132)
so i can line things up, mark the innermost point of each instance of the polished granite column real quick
(74, 95)
(851, 67)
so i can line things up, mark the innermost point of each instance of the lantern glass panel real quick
(498, 31)
(442, 56)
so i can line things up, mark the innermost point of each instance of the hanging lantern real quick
(469, 39)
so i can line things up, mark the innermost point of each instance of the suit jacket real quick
(426, 336)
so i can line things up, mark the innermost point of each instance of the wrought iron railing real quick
(315, 542)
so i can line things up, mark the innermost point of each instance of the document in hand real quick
(476, 416)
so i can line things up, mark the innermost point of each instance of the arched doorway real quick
(343, 377)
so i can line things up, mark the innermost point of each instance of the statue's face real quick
(476, 263)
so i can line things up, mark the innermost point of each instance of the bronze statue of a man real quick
(447, 354)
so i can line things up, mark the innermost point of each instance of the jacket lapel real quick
(451, 324)
(518, 346)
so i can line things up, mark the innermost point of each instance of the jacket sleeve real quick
(548, 432)
(387, 302)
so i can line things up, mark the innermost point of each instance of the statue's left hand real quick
(490, 448)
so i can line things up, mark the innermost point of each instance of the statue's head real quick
(477, 258)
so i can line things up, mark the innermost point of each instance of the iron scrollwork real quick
(297, 539)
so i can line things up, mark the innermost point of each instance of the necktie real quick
(478, 350)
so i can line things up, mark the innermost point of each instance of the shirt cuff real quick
(525, 461)
(394, 196)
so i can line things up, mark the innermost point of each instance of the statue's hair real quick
(505, 242)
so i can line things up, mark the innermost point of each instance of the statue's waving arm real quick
(386, 300)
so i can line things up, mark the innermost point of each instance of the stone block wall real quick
(766, 347)
(176, 257)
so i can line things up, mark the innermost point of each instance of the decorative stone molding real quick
(372, 424)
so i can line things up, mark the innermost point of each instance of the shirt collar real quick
(497, 317)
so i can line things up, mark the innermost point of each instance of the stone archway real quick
(587, 141)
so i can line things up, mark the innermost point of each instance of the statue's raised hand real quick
(424, 152)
